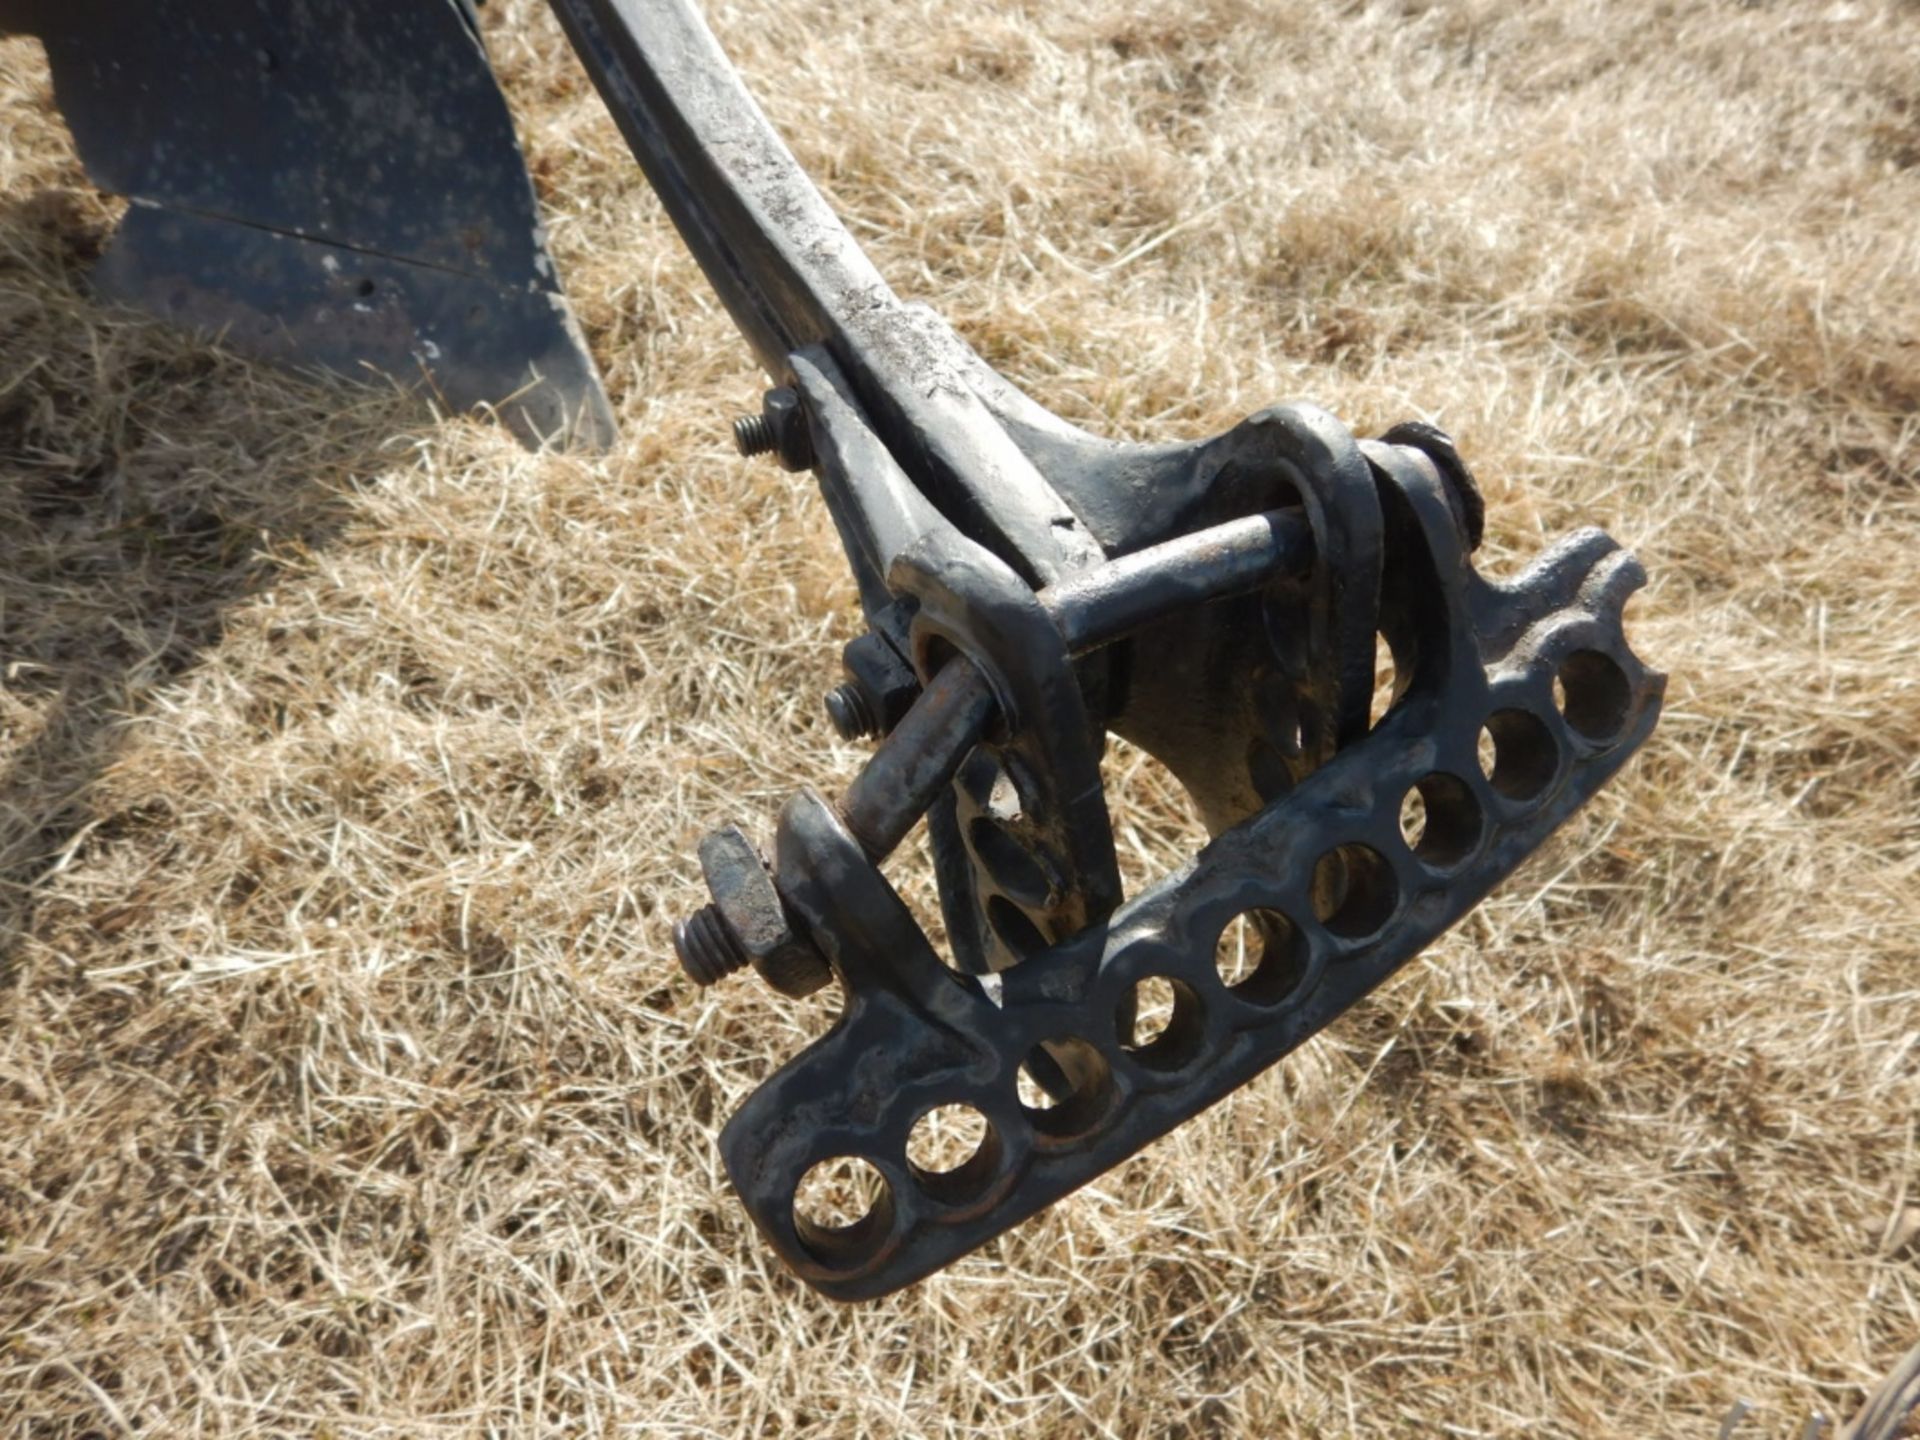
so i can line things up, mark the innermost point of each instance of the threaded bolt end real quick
(753, 435)
(851, 712)
(708, 949)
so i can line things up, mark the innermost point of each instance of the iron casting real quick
(1028, 590)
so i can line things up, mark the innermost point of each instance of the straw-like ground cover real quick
(351, 763)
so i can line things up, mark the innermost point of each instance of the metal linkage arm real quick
(792, 277)
(1030, 589)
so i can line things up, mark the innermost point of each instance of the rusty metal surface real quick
(333, 183)
(1029, 589)
(923, 752)
(1481, 657)
(746, 924)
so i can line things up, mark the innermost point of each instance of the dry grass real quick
(351, 764)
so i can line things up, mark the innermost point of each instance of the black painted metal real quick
(1342, 899)
(1031, 588)
(332, 183)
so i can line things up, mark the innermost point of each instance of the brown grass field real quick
(352, 763)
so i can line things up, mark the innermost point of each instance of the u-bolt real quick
(921, 754)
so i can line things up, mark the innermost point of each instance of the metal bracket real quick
(1029, 589)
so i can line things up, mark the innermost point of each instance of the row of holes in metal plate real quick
(952, 1150)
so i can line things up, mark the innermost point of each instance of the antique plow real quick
(1028, 589)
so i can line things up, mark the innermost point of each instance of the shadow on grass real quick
(149, 482)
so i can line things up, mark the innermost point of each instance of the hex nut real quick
(750, 906)
(786, 419)
(886, 682)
